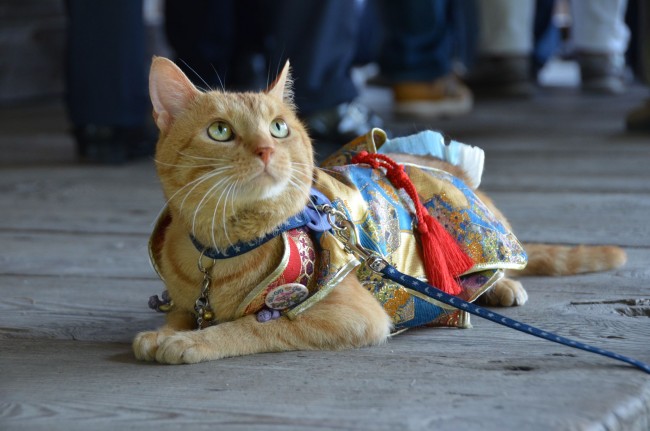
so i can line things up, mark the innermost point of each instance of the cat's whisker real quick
(309, 199)
(224, 192)
(295, 182)
(298, 184)
(329, 171)
(214, 216)
(307, 174)
(196, 73)
(313, 202)
(277, 68)
(205, 177)
(308, 165)
(223, 87)
(202, 158)
(318, 182)
(294, 178)
(225, 206)
(203, 200)
(221, 162)
(199, 179)
(232, 200)
(300, 175)
(186, 166)
(214, 219)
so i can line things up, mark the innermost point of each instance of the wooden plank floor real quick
(74, 283)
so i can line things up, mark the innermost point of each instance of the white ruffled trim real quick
(429, 143)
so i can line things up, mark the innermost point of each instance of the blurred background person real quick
(517, 36)
(241, 44)
(418, 56)
(106, 80)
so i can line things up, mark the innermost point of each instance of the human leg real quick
(320, 40)
(600, 38)
(639, 118)
(505, 48)
(106, 79)
(417, 58)
(506, 27)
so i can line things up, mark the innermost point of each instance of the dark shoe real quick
(602, 73)
(638, 120)
(502, 76)
(342, 123)
(113, 145)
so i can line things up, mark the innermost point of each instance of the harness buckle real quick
(346, 232)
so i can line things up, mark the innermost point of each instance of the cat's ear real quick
(170, 90)
(282, 87)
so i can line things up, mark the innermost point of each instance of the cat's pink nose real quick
(264, 153)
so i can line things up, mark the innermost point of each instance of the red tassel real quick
(444, 260)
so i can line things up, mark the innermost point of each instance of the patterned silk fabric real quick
(384, 223)
(298, 265)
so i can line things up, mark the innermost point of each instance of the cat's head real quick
(233, 165)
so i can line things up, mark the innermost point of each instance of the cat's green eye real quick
(279, 128)
(221, 131)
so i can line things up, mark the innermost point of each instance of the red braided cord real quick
(397, 176)
(443, 258)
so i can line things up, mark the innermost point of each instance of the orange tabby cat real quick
(234, 166)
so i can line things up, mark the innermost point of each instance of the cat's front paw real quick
(505, 293)
(181, 348)
(145, 344)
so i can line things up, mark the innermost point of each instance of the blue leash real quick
(345, 230)
(437, 294)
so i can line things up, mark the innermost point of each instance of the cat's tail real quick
(551, 259)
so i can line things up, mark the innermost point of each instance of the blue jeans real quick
(419, 42)
(106, 74)
(318, 37)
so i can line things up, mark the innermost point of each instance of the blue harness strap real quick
(413, 283)
(309, 217)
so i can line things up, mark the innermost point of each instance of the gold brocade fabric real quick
(383, 218)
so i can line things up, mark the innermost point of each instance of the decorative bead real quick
(166, 307)
(154, 302)
(208, 315)
(286, 296)
(264, 315)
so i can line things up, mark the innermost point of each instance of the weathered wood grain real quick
(64, 254)
(80, 199)
(113, 309)
(75, 308)
(458, 379)
(602, 218)
(566, 170)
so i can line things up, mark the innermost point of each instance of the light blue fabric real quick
(425, 143)
(430, 143)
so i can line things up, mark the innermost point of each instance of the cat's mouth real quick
(268, 184)
(265, 174)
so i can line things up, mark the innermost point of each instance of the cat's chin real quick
(272, 191)
(264, 188)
